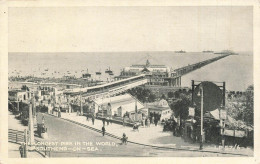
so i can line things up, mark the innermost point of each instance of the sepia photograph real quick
(130, 81)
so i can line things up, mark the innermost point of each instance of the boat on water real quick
(226, 52)
(86, 75)
(111, 74)
(109, 71)
(181, 51)
(98, 73)
(208, 51)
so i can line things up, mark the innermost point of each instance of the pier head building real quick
(157, 75)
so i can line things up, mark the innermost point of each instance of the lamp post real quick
(81, 106)
(30, 125)
(222, 118)
(201, 115)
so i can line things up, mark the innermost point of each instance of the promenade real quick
(153, 135)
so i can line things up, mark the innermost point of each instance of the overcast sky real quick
(85, 29)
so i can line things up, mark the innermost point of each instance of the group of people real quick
(146, 122)
(172, 125)
(154, 118)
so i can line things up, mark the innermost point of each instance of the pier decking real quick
(175, 79)
(189, 68)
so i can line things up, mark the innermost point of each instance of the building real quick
(156, 74)
(161, 108)
(117, 105)
(19, 95)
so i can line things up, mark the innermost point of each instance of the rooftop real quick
(125, 101)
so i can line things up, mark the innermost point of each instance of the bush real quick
(142, 94)
(42, 109)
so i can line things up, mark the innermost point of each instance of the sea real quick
(235, 70)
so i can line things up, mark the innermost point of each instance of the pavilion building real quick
(160, 75)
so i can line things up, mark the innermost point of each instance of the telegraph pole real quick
(81, 107)
(33, 108)
(192, 92)
(25, 145)
(222, 119)
(31, 127)
(201, 123)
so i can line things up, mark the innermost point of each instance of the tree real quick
(163, 97)
(151, 98)
(177, 94)
(248, 111)
(181, 106)
(242, 107)
(170, 94)
(142, 94)
(43, 109)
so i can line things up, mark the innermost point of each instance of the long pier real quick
(175, 79)
(189, 68)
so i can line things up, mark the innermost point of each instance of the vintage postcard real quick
(129, 80)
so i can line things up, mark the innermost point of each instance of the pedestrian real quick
(87, 116)
(152, 119)
(59, 113)
(124, 139)
(156, 122)
(143, 122)
(174, 124)
(103, 130)
(148, 122)
(135, 127)
(93, 120)
(21, 149)
(104, 121)
(159, 117)
(107, 119)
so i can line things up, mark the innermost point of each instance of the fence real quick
(15, 136)
(18, 137)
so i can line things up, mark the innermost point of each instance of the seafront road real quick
(64, 131)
